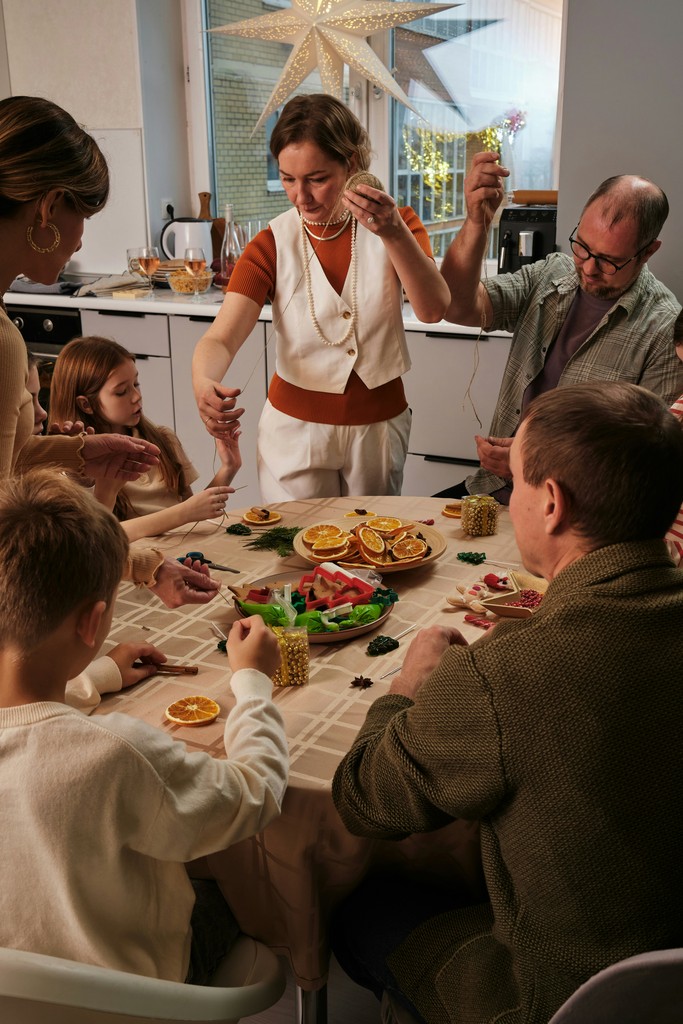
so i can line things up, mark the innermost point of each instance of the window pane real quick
(485, 80)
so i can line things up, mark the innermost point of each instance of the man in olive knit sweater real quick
(559, 733)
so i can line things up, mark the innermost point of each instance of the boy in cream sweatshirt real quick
(101, 814)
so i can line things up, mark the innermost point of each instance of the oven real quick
(46, 331)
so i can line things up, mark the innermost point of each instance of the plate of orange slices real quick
(386, 543)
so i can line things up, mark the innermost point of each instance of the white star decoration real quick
(328, 34)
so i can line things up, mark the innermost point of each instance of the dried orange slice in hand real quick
(314, 533)
(192, 711)
(409, 547)
(384, 524)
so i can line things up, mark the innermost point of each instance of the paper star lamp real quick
(326, 34)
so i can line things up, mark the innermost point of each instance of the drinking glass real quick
(195, 262)
(148, 262)
(132, 259)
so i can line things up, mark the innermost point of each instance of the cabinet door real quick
(146, 336)
(248, 372)
(453, 379)
(425, 475)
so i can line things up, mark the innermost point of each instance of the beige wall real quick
(80, 53)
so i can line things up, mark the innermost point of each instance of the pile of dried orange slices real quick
(379, 541)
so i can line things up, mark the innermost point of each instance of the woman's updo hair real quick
(43, 148)
(328, 123)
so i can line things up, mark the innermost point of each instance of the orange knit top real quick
(255, 275)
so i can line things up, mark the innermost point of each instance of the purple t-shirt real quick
(584, 315)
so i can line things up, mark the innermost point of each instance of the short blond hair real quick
(59, 549)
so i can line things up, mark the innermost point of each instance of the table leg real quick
(311, 1007)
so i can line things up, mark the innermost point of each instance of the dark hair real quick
(617, 453)
(82, 369)
(59, 547)
(328, 123)
(628, 196)
(43, 148)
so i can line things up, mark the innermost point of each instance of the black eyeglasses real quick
(605, 266)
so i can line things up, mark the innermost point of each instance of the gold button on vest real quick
(350, 351)
(346, 314)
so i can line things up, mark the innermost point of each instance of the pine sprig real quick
(280, 539)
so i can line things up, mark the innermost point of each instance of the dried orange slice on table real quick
(326, 543)
(409, 547)
(257, 516)
(452, 510)
(384, 524)
(370, 540)
(192, 711)
(320, 531)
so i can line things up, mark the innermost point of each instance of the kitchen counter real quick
(169, 304)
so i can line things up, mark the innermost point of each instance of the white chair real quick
(39, 989)
(644, 989)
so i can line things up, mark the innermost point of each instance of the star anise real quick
(362, 682)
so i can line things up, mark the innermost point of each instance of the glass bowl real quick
(183, 283)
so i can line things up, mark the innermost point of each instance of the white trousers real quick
(297, 459)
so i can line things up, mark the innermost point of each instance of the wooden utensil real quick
(204, 206)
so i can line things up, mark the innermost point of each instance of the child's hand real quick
(70, 429)
(252, 645)
(206, 504)
(228, 449)
(125, 656)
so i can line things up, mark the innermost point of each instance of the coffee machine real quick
(525, 234)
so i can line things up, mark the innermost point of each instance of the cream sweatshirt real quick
(100, 814)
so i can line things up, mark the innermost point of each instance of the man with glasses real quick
(597, 314)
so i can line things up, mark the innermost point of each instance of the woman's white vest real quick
(377, 352)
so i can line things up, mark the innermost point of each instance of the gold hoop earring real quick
(38, 248)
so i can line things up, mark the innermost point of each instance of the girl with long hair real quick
(95, 380)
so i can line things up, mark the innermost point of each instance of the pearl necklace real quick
(326, 238)
(326, 223)
(309, 286)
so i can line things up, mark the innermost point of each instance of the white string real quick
(482, 327)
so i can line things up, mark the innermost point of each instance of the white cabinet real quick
(454, 379)
(145, 335)
(248, 371)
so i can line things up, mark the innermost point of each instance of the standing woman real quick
(52, 177)
(336, 420)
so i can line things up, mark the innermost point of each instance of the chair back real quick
(40, 989)
(644, 989)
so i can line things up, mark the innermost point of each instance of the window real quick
(483, 75)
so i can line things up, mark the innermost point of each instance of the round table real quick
(283, 883)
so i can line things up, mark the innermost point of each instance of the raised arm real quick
(461, 268)
(212, 357)
(204, 505)
(426, 290)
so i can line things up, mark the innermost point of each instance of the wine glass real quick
(195, 262)
(148, 261)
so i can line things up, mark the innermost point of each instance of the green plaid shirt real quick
(633, 341)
